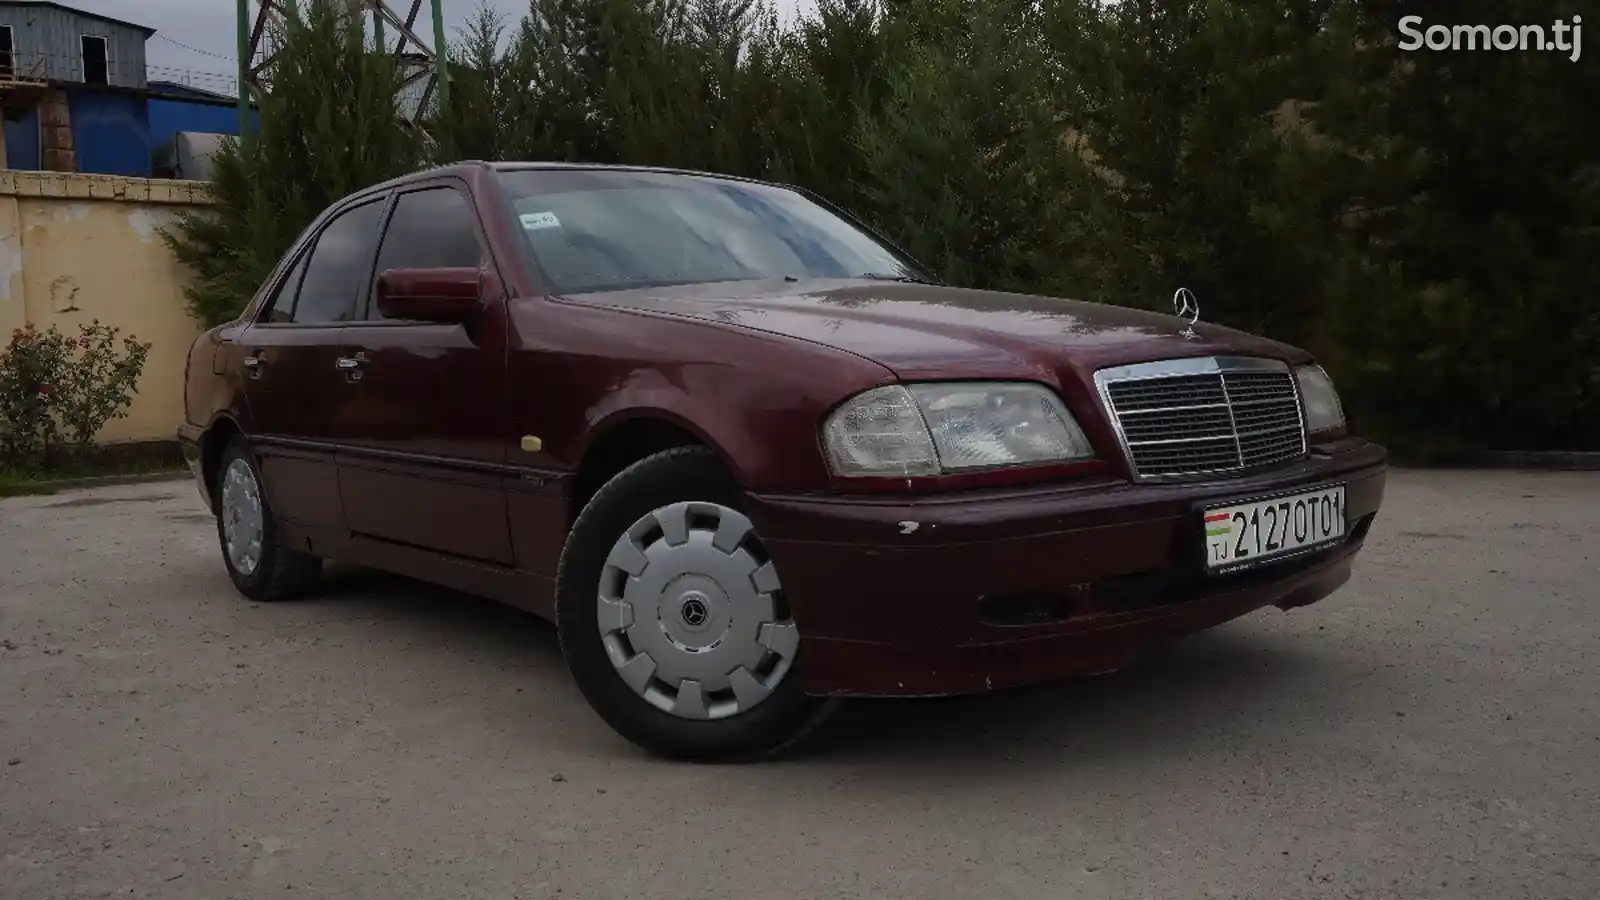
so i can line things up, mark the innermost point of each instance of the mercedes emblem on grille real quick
(1187, 308)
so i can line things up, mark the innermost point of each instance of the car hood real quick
(923, 331)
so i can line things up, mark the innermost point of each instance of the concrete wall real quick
(79, 247)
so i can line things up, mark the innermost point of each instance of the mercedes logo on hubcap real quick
(694, 611)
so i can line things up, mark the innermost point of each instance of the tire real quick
(680, 612)
(258, 563)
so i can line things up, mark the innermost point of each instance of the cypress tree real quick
(1478, 200)
(954, 161)
(328, 127)
(481, 86)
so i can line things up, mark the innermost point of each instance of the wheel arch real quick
(221, 432)
(628, 436)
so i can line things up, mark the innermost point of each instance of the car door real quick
(292, 383)
(423, 436)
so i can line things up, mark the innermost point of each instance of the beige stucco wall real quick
(79, 247)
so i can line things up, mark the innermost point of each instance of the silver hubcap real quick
(241, 517)
(693, 619)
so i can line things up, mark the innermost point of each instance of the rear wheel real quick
(260, 567)
(672, 615)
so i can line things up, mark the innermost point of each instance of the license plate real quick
(1245, 534)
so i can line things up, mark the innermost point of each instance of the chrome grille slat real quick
(1201, 421)
(1221, 403)
(1252, 418)
(1229, 437)
(1276, 429)
(1204, 416)
(1271, 447)
(1258, 401)
(1134, 396)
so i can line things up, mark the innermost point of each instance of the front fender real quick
(758, 400)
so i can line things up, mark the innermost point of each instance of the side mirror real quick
(430, 295)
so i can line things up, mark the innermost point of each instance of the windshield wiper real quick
(903, 279)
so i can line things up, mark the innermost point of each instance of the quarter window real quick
(280, 308)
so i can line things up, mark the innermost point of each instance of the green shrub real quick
(31, 372)
(57, 392)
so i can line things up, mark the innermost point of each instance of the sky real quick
(195, 40)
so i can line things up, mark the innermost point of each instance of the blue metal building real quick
(75, 96)
(175, 108)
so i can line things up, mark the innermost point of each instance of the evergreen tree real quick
(1197, 175)
(328, 127)
(1427, 223)
(480, 86)
(577, 60)
(953, 163)
(1477, 195)
(832, 77)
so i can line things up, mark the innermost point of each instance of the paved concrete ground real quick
(1432, 731)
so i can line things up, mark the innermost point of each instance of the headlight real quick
(880, 432)
(928, 429)
(1319, 400)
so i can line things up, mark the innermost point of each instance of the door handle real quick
(352, 363)
(254, 365)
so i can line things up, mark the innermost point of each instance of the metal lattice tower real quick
(422, 81)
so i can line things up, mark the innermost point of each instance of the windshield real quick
(603, 230)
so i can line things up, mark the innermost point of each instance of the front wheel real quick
(672, 615)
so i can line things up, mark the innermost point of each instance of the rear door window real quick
(338, 267)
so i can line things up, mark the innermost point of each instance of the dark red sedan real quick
(750, 456)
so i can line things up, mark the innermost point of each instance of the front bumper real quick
(984, 590)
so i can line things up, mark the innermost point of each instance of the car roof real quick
(462, 167)
(607, 167)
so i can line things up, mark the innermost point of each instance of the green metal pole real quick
(441, 56)
(244, 69)
(377, 31)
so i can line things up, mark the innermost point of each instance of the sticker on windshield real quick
(535, 221)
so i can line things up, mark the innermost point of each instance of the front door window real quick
(431, 229)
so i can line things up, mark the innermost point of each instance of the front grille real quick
(1205, 416)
